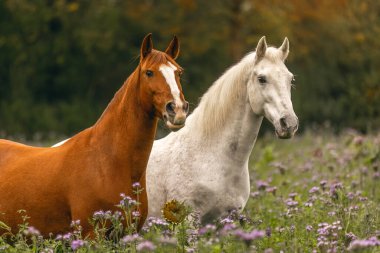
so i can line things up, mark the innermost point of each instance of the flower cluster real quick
(328, 236)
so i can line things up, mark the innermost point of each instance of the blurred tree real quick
(61, 61)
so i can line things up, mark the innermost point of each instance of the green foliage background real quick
(61, 61)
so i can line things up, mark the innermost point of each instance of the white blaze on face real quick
(167, 71)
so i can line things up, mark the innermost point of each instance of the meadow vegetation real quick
(315, 193)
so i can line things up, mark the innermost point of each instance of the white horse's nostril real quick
(283, 123)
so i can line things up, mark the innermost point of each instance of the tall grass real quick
(310, 194)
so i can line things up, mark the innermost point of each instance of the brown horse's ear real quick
(146, 46)
(173, 48)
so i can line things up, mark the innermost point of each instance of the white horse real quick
(205, 164)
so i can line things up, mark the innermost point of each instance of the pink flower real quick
(145, 246)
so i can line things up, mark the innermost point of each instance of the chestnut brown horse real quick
(89, 171)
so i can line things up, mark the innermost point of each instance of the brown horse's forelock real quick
(157, 58)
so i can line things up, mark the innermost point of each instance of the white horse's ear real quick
(260, 49)
(284, 49)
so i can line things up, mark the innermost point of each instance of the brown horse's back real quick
(62, 184)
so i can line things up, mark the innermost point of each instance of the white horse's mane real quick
(217, 103)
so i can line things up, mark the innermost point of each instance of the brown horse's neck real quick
(127, 128)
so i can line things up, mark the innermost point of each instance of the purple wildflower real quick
(206, 229)
(127, 202)
(323, 184)
(261, 185)
(268, 232)
(67, 236)
(136, 185)
(307, 166)
(117, 215)
(226, 220)
(75, 223)
(130, 238)
(145, 246)
(308, 204)
(76, 244)
(32, 231)
(351, 236)
(168, 240)
(354, 184)
(334, 189)
(361, 244)
(309, 228)
(358, 140)
(327, 239)
(157, 222)
(291, 203)
(350, 195)
(249, 236)
(364, 170)
(314, 189)
(136, 214)
(280, 166)
(271, 190)
(229, 226)
(255, 194)
(98, 215)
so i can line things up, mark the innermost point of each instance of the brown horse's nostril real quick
(186, 107)
(170, 108)
(283, 123)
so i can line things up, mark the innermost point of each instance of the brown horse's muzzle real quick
(175, 116)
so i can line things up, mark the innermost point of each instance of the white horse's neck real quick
(224, 118)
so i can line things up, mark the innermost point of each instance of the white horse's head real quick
(269, 88)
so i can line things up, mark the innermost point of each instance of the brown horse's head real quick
(160, 77)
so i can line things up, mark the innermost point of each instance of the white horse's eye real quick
(293, 80)
(262, 79)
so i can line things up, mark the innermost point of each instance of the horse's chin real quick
(173, 127)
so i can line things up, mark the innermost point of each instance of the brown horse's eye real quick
(180, 73)
(149, 73)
